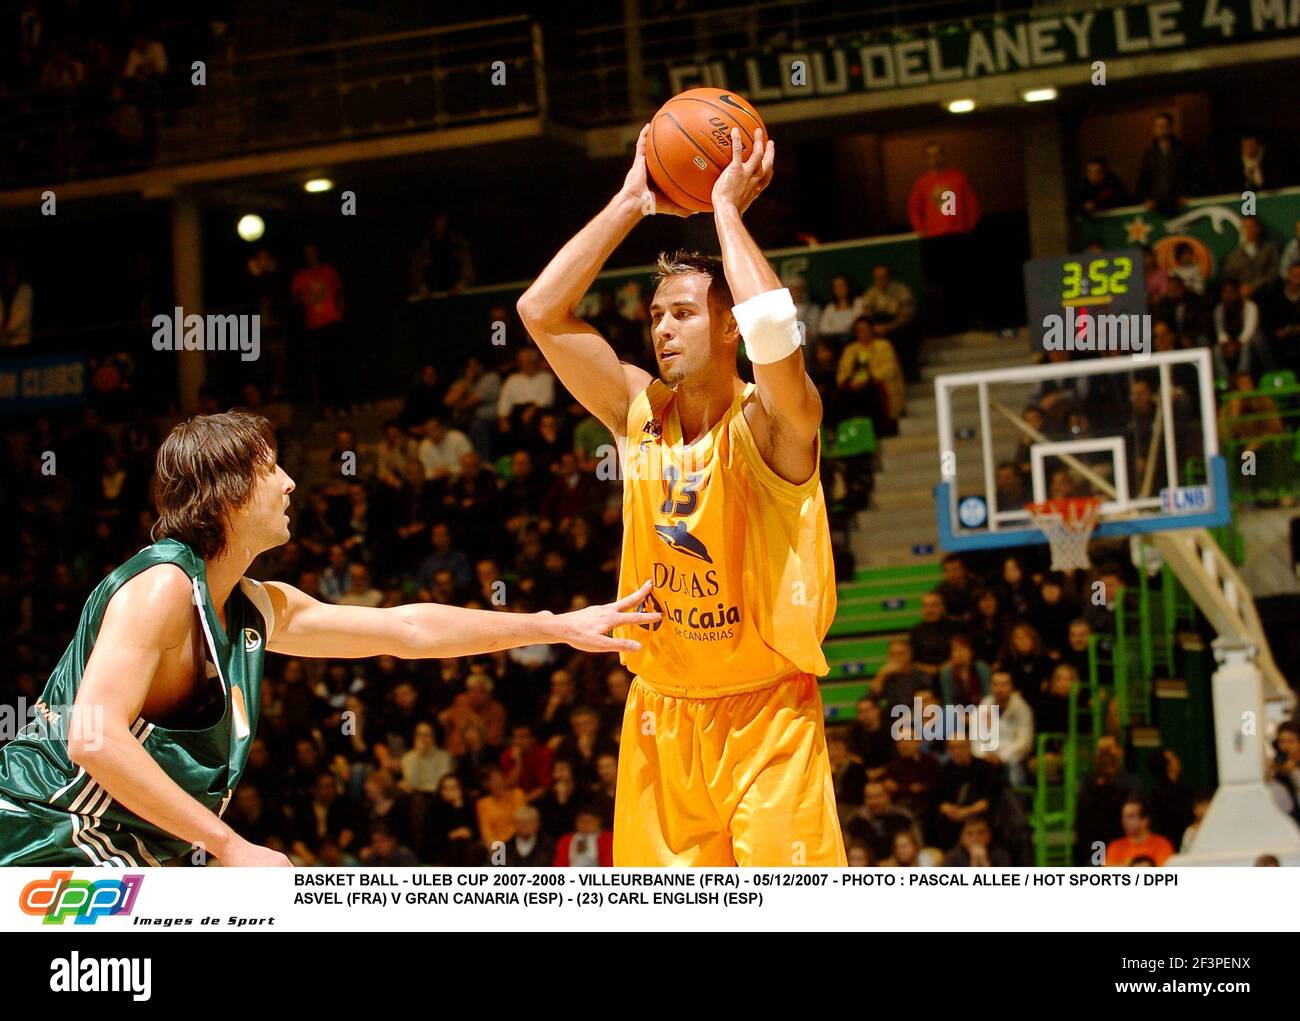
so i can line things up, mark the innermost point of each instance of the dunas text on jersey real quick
(669, 579)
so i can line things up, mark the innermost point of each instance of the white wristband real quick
(767, 325)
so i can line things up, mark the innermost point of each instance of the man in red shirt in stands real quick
(319, 290)
(527, 762)
(944, 210)
(589, 846)
(1138, 840)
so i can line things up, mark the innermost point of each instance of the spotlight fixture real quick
(250, 227)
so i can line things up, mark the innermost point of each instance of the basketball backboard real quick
(1097, 427)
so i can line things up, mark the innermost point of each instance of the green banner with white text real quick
(953, 53)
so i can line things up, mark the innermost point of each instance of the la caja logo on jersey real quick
(251, 640)
(61, 897)
(651, 605)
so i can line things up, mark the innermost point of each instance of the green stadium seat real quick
(857, 601)
(908, 572)
(882, 600)
(876, 606)
(874, 623)
(856, 657)
(840, 700)
(1277, 380)
(878, 592)
(855, 436)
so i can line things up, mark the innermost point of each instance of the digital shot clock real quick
(1099, 283)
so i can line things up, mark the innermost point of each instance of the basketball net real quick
(1068, 525)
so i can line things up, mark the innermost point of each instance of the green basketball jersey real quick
(53, 813)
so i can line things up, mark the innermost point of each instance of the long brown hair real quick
(205, 470)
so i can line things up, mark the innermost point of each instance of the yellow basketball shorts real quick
(741, 779)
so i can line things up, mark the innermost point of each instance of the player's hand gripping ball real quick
(690, 143)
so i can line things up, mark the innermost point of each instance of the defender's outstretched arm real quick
(307, 627)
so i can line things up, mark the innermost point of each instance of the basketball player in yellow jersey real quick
(723, 756)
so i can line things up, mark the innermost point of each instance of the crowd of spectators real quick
(1005, 640)
(1011, 639)
(862, 348)
(1172, 172)
(89, 84)
(1249, 313)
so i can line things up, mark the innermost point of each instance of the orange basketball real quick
(690, 143)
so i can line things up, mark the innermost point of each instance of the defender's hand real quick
(587, 629)
(744, 180)
(638, 187)
(240, 852)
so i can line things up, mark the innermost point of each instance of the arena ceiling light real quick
(318, 184)
(1043, 95)
(961, 106)
(250, 227)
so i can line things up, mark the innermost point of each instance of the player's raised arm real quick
(577, 353)
(150, 615)
(764, 310)
(307, 627)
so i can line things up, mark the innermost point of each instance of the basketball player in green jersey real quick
(144, 727)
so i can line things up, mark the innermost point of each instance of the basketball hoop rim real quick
(1073, 511)
(1068, 523)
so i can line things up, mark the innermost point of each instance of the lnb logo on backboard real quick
(61, 897)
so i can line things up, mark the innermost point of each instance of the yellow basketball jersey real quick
(739, 557)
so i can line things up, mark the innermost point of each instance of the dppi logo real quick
(61, 897)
